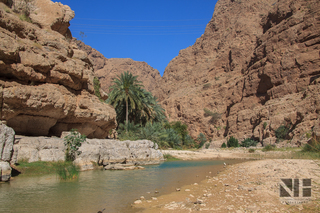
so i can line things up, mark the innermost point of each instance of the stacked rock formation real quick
(46, 82)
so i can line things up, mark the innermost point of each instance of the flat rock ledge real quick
(112, 154)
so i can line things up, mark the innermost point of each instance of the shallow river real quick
(113, 191)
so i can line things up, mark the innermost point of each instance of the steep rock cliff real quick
(257, 64)
(107, 69)
(46, 82)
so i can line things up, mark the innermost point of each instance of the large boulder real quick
(5, 171)
(6, 150)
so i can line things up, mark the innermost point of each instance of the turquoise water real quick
(113, 191)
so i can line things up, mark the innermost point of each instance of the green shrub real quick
(189, 142)
(72, 142)
(224, 145)
(179, 127)
(172, 138)
(207, 145)
(215, 116)
(24, 17)
(201, 139)
(252, 150)
(269, 148)
(232, 142)
(67, 171)
(96, 86)
(248, 142)
(265, 125)
(206, 86)
(312, 146)
(169, 157)
(282, 132)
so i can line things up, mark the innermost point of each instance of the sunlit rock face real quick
(108, 69)
(257, 64)
(46, 82)
(103, 152)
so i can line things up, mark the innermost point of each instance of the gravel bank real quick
(247, 187)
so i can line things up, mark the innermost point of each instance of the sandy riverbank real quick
(246, 187)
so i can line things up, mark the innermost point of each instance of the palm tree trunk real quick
(127, 116)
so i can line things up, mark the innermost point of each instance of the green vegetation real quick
(265, 125)
(224, 145)
(126, 90)
(132, 102)
(269, 148)
(179, 127)
(207, 145)
(232, 142)
(248, 142)
(67, 171)
(206, 86)
(312, 146)
(96, 86)
(24, 17)
(215, 116)
(201, 139)
(251, 150)
(141, 117)
(40, 167)
(72, 142)
(282, 132)
(169, 157)
(167, 135)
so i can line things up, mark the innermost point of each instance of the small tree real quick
(201, 139)
(282, 132)
(72, 142)
(224, 145)
(248, 142)
(233, 142)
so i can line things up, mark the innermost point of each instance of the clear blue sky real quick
(144, 30)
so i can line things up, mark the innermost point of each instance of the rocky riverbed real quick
(252, 186)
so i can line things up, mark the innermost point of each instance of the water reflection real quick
(96, 190)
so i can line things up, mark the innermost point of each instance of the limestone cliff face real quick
(107, 69)
(46, 82)
(257, 64)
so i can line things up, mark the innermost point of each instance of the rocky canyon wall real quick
(46, 82)
(257, 64)
(107, 69)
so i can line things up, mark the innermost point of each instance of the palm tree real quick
(149, 110)
(126, 88)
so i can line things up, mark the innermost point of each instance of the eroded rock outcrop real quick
(257, 64)
(46, 82)
(107, 69)
(104, 152)
(6, 151)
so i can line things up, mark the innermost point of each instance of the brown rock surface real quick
(46, 82)
(257, 62)
(107, 69)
